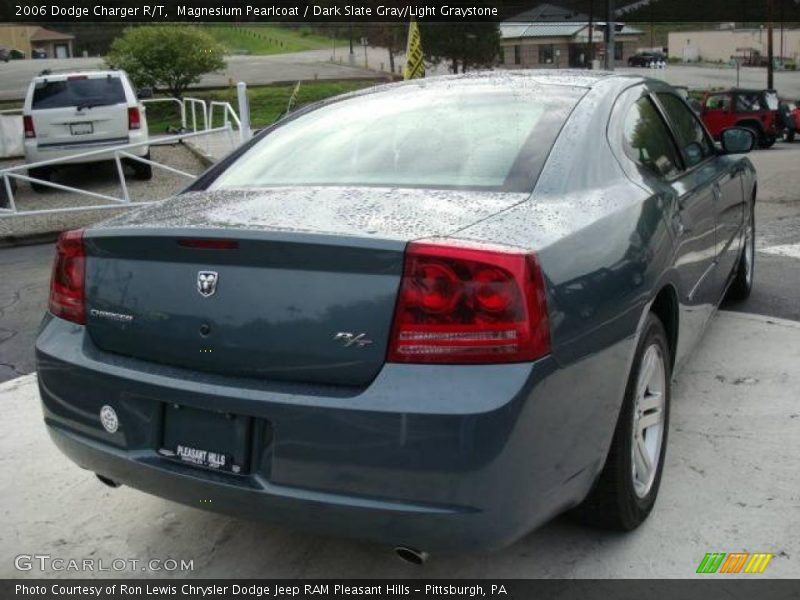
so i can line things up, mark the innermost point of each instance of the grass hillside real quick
(263, 39)
(266, 103)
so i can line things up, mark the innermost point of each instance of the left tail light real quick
(27, 123)
(134, 118)
(466, 303)
(67, 284)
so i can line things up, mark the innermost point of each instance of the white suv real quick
(71, 113)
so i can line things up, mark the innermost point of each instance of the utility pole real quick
(591, 34)
(350, 34)
(610, 34)
(783, 19)
(770, 48)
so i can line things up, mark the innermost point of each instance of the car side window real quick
(647, 140)
(691, 136)
(719, 103)
(748, 103)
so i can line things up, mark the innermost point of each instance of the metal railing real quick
(119, 153)
(187, 107)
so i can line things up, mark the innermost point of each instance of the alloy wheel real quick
(648, 420)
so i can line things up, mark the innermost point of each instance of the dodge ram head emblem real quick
(207, 283)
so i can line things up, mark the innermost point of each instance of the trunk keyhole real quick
(205, 329)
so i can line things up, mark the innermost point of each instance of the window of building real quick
(547, 54)
(619, 50)
(517, 55)
(647, 140)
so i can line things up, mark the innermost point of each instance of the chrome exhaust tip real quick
(411, 555)
(106, 481)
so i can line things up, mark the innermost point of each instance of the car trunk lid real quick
(311, 308)
(305, 281)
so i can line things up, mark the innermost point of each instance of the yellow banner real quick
(415, 67)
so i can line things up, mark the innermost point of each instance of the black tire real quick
(742, 283)
(768, 141)
(4, 203)
(614, 502)
(789, 135)
(44, 173)
(142, 171)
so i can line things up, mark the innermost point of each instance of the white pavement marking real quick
(730, 484)
(790, 250)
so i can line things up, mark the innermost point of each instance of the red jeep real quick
(756, 110)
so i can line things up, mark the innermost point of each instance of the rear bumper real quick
(37, 152)
(433, 457)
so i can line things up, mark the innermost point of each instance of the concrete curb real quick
(29, 240)
(201, 155)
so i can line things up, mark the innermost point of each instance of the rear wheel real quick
(4, 200)
(789, 135)
(626, 489)
(768, 141)
(43, 173)
(142, 171)
(742, 283)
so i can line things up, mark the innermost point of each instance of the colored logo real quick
(735, 562)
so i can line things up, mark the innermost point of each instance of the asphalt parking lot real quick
(731, 483)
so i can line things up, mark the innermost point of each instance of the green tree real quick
(464, 45)
(170, 58)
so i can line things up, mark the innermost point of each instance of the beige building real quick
(723, 45)
(561, 45)
(28, 38)
(553, 37)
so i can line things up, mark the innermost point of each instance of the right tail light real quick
(461, 302)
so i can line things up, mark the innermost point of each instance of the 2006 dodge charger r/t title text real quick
(433, 314)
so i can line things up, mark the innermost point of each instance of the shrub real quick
(169, 58)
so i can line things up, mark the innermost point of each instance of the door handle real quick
(717, 192)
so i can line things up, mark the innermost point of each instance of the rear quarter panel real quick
(605, 250)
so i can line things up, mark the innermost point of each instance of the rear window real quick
(463, 137)
(78, 92)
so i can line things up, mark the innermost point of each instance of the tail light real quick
(27, 123)
(67, 284)
(469, 303)
(134, 118)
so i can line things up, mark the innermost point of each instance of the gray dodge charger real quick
(433, 314)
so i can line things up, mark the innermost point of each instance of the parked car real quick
(647, 59)
(432, 314)
(790, 119)
(16, 54)
(756, 110)
(5, 54)
(66, 114)
(38, 53)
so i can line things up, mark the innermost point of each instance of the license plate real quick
(206, 439)
(81, 128)
(203, 458)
